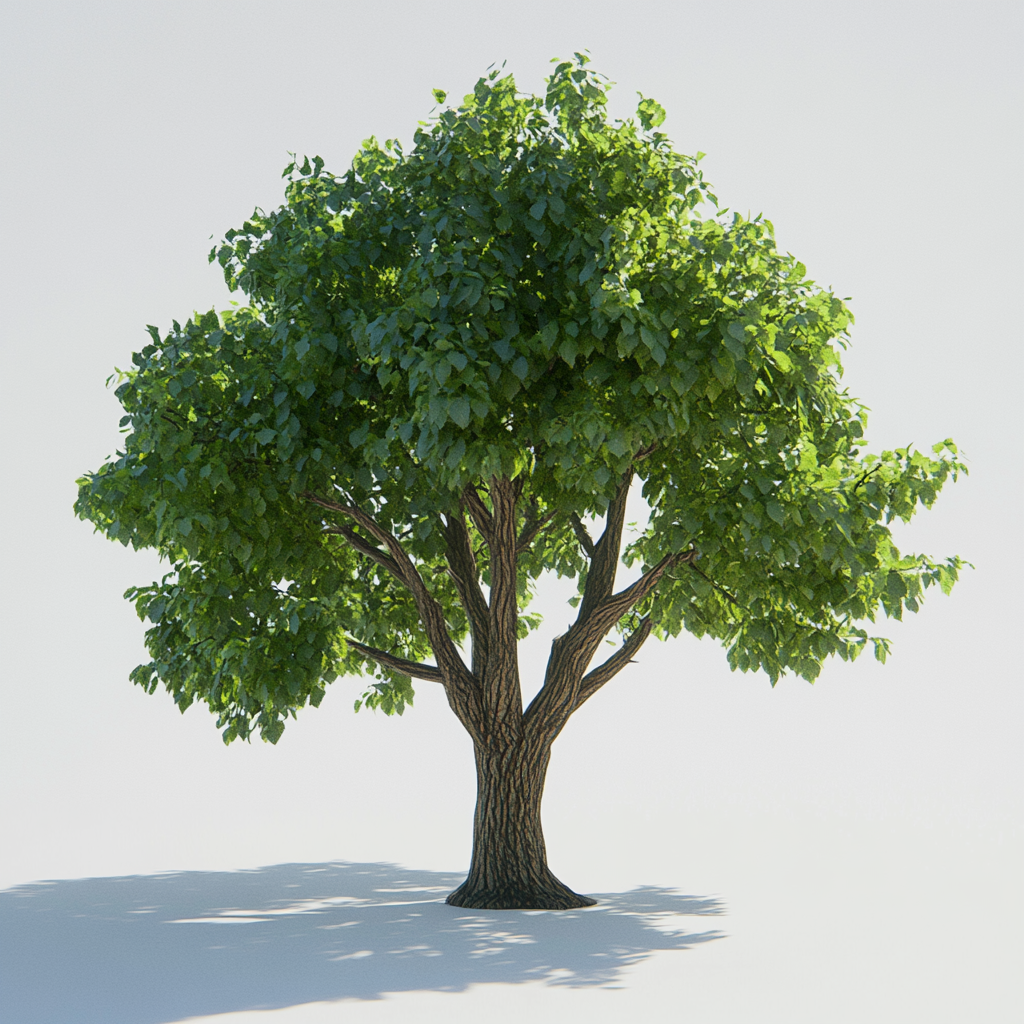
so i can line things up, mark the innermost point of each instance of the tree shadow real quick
(150, 949)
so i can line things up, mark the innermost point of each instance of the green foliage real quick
(390, 696)
(530, 291)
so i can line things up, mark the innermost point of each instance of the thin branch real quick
(364, 547)
(645, 451)
(725, 593)
(864, 477)
(172, 420)
(459, 681)
(401, 665)
(593, 681)
(586, 541)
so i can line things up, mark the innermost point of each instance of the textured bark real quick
(509, 870)
(509, 867)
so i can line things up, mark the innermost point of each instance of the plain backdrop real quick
(864, 834)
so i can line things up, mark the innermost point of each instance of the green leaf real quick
(458, 411)
(568, 350)
(650, 112)
(456, 454)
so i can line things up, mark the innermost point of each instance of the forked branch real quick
(452, 668)
(611, 610)
(572, 652)
(399, 563)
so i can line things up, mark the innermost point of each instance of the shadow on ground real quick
(159, 948)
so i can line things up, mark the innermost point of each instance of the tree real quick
(452, 367)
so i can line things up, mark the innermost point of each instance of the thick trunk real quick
(509, 869)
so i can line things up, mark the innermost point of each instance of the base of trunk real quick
(550, 895)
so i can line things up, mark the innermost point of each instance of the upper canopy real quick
(529, 293)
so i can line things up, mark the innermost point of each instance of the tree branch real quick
(864, 477)
(165, 415)
(720, 589)
(478, 512)
(586, 541)
(593, 681)
(571, 653)
(462, 569)
(460, 684)
(401, 665)
(403, 568)
(617, 605)
(645, 451)
(365, 548)
(604, 559)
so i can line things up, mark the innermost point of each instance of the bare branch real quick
(645, 451)
(593, 681)
(605, 557)
(402, 665)
(586, 541)
(571, 653)
(365, 548)
(459, 681)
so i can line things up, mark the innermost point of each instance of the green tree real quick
(452, 366)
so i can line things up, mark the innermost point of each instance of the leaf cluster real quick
(532, 293)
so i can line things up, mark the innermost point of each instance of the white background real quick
(864, 834)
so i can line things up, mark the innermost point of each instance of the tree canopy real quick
(451, 362)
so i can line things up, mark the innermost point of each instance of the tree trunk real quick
(509, 870)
